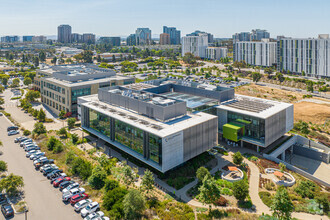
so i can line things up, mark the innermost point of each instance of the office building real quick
(60, 86)
(310, 56)
(76, 38)
(39, 39)
(195, 44)
(131, 40)
(257, 34)
(9, 39)
(175, 35)
(164, 123)
(64, 34)
(243, 36)
(164, 39)
(254, 122)
(215, 53)
(27, 38)
(143, 36)
(255, 53)
(88, 38)
(114, 41)
(197, 33)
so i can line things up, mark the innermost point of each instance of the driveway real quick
(43, 200)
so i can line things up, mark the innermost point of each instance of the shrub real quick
(201, 173)
(74, 138)
(306, 189)
(270, 186)
(26, 132)
(71, 122)
(266, 198)
(110, 184)
(245, 204)
(240, 189)
(226, 191)
(3, 165)
(179, 182)
(81, 167)
(221, 201)
(97, 179)
(113, 199)
(39, 128)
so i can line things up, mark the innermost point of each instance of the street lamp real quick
(26, 211)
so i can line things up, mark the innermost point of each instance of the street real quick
(43, 199)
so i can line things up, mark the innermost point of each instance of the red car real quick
(59, 180)
(78, 197)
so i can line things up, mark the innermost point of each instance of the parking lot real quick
(43, 199)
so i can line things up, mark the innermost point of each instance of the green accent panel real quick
(243, 121)
(232, 131)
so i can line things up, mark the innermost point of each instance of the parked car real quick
(59, 180)
(37, 155)
(82, 204)
(29, 153)
(3, 198)
(72, 186)
(49, 175)
(17, 139)
(29, 140)
(55, 176)
(42, 163)
(48, 170)
(67, 196)
(65, 184)
(40, 159)
(90, 208)
(11, 128)
(13, 132)
(77, 198)
(48, 166)
(23, 139)
(7, 210)
(94, 216)
(32, 147)
(103, 218)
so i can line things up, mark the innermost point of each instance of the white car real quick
(13, 132)
(94, 215)
(72, 192)
(28, 154)
(72, 186)
(82, 204)
(48, 165)
(103, 218)
(92, 207)
(36, 155)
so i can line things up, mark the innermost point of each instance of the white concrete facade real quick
(261, 53)
(215, 53)
(311, 56)
(195, 44)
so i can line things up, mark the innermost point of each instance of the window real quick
(155, 146)
(79, 92)
(99, 122)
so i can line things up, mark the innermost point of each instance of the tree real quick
(240, 190)
(36, 62)
(209, 192)
(3, 166)
(63, 132)
(42, 56)
(15, 82)
(54, 60)
(98, 177)
(189, 58)
(74, 138)
(148, 180)
(323, 202)
(61, 114)
(41, 115)
(39, 128)
(11, 184)
(113, 196)
(201, 173)
(237, 158)
(282, 206)
(27, 81)
(128, 175)
(207, 75)
(309, 86)
(71, 122)
(31, 95)
(268, 70)
(110, 184)
(306, 189)
(134, 204)
(256, 77)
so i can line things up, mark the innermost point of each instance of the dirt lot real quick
(305, 110)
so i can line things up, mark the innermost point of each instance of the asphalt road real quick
(44, 201)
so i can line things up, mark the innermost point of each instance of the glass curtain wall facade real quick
(75, 93)
(254, 130)
(147, 145)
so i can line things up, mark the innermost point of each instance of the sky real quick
(291, 18)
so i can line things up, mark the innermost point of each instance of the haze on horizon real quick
(294, 18)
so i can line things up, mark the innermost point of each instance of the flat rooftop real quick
(159, 128)
(255, 107)
(191, 100)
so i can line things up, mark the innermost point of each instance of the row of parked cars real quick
(71, 191)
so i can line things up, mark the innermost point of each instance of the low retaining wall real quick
(297, 170)
(281, 182)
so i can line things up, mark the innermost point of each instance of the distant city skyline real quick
(295, 18)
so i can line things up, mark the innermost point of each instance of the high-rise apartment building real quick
(255, 53)
(114, 41)
(257, 34)
(215, 53)
(195, 44)
(175, 35)
(308, 55)
(164, 39)
(27, 38)
(76, 38)
(143, 36)
(64, 34)
(197, 33)
(88, 38)
(131, 40)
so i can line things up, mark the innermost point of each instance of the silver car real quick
(82, 204)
